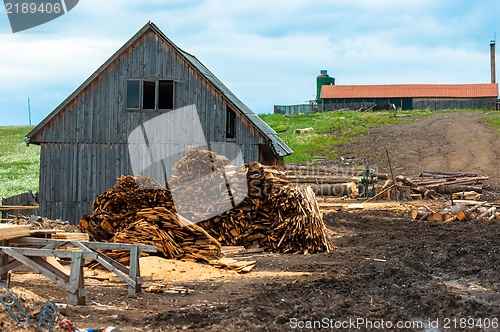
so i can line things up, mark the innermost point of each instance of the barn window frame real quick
(230, 124)
(147, 97)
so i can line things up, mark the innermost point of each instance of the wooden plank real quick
(17, 207)
(119, 269)
(134, 272)
(12, 231)
(76, 280)
(50, 253)
(4, 260)
(92, 245)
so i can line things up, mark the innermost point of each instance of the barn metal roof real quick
(488, 90)
(276, 144)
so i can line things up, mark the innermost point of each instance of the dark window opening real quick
(230, 124)
(166, 95)
(148, 95)
(133, 92)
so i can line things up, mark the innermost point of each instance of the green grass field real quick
(19, 165)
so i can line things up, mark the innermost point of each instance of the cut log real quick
(448, 216)
(447, 174)
(457, 188)
(438, 216)
(466, 195)
(461, 215)
(344, 189)
(417, 214)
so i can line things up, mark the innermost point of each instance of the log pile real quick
(459, 212)
(429, 184)
(275, 214)
(330, 181)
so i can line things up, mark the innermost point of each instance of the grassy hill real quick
(19, 165)
(330, 129)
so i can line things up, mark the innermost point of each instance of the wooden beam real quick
(8, 232)
(92, 245)
(46, 271)
(17, 207)
(50, 253)
(76, 279)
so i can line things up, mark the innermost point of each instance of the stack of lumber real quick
(460, 212)
(71, 236)
(274, 214)
(431, 183)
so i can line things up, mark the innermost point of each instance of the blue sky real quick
(266, 52)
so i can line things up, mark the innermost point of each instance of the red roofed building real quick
(411, 96)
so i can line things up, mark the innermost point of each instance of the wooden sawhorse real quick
(30, 252)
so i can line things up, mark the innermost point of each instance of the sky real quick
(267, 52)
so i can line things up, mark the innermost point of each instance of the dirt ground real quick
(442, 142)
(388, 273)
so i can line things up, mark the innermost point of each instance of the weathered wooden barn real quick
(84, 146)
(411, 96)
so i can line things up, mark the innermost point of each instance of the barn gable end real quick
(84, 141)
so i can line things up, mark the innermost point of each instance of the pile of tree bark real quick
(274, 214)
(460, 212)
(429, 184)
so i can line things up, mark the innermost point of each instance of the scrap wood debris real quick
(274, 214)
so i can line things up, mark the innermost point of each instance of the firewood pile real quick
(117, 208)
(174, 236)
(459, 212)
(429, 184)
(275, 214)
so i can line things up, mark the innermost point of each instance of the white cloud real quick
(267, 52)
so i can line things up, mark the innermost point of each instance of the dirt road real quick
(442, 142)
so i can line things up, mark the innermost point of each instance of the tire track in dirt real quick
(442, 142)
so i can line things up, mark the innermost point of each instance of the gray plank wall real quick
(84, 148)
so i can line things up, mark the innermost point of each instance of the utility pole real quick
(29, 110)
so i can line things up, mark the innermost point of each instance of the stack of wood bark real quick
(117, 208)
(460, 212)
(274, 214)
(429, 184)
(174, 236)
(204, 183)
